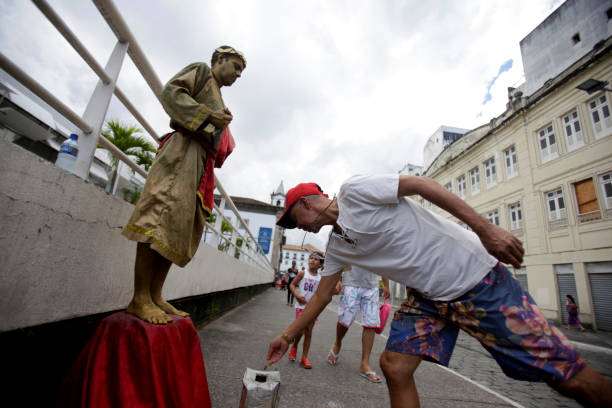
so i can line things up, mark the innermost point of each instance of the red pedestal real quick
(131, 363)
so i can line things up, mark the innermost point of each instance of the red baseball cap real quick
(293, 195)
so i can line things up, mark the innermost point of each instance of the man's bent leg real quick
(399, 369)
(588, 387)
(523, 342)
(142, 305)
(157, 283)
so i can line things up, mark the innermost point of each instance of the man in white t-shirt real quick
(359, 292)
(454, 278)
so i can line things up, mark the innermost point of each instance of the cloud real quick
(506, 66)
(331, 89)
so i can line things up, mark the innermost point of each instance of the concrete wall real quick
(549, 48)
(62, 254)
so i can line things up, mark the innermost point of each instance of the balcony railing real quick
(589, 216)
(90, 123)
(558, 223)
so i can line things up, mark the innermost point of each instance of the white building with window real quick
(261, 218)
(547, 170)
(298, 254)
(444, 136)
(411, 170)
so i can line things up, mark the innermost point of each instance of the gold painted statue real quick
(170, 215)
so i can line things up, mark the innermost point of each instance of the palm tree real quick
(129, 141)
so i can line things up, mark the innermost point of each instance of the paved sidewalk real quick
(240, 339)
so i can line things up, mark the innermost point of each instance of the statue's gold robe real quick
(169, 214)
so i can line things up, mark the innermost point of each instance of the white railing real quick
(91, 122)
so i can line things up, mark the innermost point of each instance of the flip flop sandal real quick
(332, 358)
(368, 376)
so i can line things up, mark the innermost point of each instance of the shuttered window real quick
(475, 180)
(586, 199)
(557, 217)
(493, 216)
(547, 143)
(516, 218)
(511, 162)
(573, 131)
(606, 189)
(600, 279)
(490, 173)
(521, 275)
(461, 185)
(600, 115)
(566, 284)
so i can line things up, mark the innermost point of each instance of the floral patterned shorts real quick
(501, 315)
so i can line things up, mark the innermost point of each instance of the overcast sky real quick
(332, 88)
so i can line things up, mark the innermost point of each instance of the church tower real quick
(277, 198)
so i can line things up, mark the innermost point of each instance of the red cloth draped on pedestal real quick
(131, 363)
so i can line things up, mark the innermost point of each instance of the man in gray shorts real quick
(359, 291)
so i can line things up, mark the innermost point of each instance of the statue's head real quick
(227, 65)
(225, 51)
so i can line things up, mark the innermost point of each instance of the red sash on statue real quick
(214, 158)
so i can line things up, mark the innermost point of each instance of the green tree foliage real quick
(132, 195)
(226, 230)
(130, 141)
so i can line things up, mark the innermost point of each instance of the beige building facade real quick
(543, 170)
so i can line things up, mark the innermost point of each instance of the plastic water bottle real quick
(68, 153)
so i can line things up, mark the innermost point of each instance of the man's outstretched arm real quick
(318, 301)
(499, 242)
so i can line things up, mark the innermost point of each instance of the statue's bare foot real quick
(168, 308)
(149, 312)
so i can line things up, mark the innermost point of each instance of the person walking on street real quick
(359, 290)
(303, 287)
(291, 273)
(456, 280)
(572, 313)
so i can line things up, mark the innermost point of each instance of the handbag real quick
(385, 309)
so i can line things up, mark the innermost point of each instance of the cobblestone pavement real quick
(472, 360)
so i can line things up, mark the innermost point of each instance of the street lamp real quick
(593, 85)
